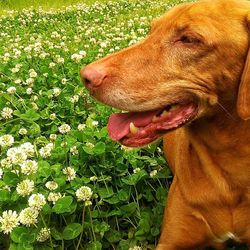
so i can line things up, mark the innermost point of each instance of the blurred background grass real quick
(7, 5)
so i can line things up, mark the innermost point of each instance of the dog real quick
(189, 82)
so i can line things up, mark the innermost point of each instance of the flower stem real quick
(83, 217)
(50, 239)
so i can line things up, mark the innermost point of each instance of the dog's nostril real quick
(86, 81)
(93, 76)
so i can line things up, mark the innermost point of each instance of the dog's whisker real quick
(226, 111)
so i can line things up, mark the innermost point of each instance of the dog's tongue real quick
(118, 124)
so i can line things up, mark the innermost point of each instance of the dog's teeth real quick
(164, 113)
(155, 118)
(173, 107)
(133, 128)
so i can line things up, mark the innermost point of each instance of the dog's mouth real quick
(136, 129)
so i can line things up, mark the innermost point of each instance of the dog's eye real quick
(189, 40)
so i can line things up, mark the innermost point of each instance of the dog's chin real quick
(137, 129)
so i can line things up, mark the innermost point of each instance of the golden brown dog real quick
(192, 73)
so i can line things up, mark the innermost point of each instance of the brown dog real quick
(192, 73)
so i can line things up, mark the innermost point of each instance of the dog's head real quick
(193, 61)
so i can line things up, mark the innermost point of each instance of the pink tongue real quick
(118, 124)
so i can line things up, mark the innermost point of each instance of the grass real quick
(18, 5)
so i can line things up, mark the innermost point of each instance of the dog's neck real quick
(222, 132)
(216, 139)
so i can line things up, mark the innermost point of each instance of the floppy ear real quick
(243, 102)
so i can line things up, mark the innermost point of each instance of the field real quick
(64, 184)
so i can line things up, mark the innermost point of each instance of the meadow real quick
(63, 183)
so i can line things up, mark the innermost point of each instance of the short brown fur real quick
(209, 200)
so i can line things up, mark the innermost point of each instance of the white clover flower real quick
(1, 173)
(28, 216)
(29, 81)
(103, 44)
(37, 201)
(77, 58)
(126, 149)
(52, 116)
(9, 221)
(95, 123)
(56, 91)
(35, 98)
(29, 91)
(64, 81)
(135, 248)
(52, 65)
(11, 90)
(84, 193)
(51, 185)
(136, 170)
(64, 128)
(33, 74)
(74, 99)
(81, 127)
(29, 167)
(6, 113)
(153, 173)
(25, 187)
(23, 131)
(18, 81)
(93, 178)
(34, 106)
(19, 65)
(28, 148)
(46, 151)
(70, 172)
(82, 53)
(17, 155)
(89, 145)
(54, 197)
(6, 163)
(52, 137)
(15, 70)
(74, 150)
(88, 203)
(60, 60)
(43, 235)
(6, 140)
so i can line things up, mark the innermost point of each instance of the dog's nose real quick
(93, 76)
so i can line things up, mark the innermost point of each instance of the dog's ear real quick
(243, 102)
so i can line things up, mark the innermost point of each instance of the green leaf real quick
(88, 150)
(94, 246)
(56, 235)
(113, 236)
(99, 148)
(44, 169)
(4, 195)
(128, 209)
(34, 129)
(30, 115)
(63, 205)
(23, 234)
(72, 231)
(100, 227)
(134, 178)
(21, 246)
(10, 179)
(105, 192)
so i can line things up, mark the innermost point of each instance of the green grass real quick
(18, 5)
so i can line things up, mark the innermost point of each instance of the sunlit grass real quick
(7, 5)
